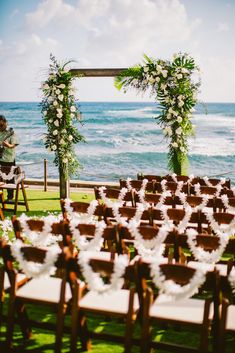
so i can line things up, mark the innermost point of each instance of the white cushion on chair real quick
(230, 324)
(43, 289)
(113, 302)
(188, 310)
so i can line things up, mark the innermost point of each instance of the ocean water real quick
(123, 139)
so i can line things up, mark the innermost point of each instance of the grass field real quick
(40, 204)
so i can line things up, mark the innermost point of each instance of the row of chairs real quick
(137, 298)
(132, 198)
(154, 186)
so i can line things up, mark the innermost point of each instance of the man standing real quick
(8, 142)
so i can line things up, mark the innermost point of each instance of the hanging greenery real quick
(60, 111)
(171, 83)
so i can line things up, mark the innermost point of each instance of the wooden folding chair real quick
(227, 324)
(79, 207)
(114, 194)
(212, 181)
(43, 291)
(18, 186)
(153, 199)
(189, 312)
(137, 184)
(119, 303)
(126, 213)
(170, 186)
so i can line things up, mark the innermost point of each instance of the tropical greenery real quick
(172, 85)
(60, 112)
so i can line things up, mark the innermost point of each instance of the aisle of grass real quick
(40, 204)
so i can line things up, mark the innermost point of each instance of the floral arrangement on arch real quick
(60, 111)
(172, 85)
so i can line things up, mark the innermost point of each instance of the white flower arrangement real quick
(81, 241)
(87, 217)
(168, 79)
(94, 280)
(58, 105)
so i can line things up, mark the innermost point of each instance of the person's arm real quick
(9, 145)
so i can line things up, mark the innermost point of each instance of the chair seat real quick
(188, 310)
(115, 302)
(222, 268)
(43, 289)
(20, 279)
(101, 255)
(12, 186)
(230, 324)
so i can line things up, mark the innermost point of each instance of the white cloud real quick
(222, 27)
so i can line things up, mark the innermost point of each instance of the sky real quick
(114, 33)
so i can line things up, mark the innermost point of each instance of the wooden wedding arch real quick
(64, 184)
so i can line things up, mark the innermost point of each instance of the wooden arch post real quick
(64, 183)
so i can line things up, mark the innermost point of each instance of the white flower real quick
(57, 91)
(72, 115)
(59, 110)
(167, 131)
(45, 86)
(179, 76)
(164, 73)
(45, 113)
(73, 108)
(55, 132)
(163, 86)
(182, 149)
(178, 131)
(48, 149)
(146, 69)
(61, 97)
(55, 103)
(159, 68)
(62, 141)
(168, 116)
(171, 111)
(180, 104)
(157, 79)
(70, 137)
(50, 99)
(50, 121)
(62, 86)
(59, 115)
(174, 144)
(151, 79)
(53, 147)
(65, 160)
(179, 119)
(184, 70)
(135, 81)
(56, 123)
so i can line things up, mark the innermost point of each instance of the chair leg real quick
(84, 333)
(16, 199)
(10, 323)
(25, 197)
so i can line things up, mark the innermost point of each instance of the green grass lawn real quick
(41, 203)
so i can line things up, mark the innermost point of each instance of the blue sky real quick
(114, 33)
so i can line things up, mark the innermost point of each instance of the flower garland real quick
(218, 229)
(231, 279)
(6, 227)
(81, 241)
(34, 269)
(183, 199)
(10, 175)
(180, 185)
(142, 188)
(88, 217)
(94, 280)
(172, 290)
(208, 183)
(197, 188)
(182, 224)
(202, 255)
(42, 238)
(172, 84)
(107, 201)
(149, 248)
(59, 112)
(121, 220)
(225, 200)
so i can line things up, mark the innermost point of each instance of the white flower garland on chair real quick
(172, 290)
(202, 255)
(182, 224)
(208, 183)
(81, 241)
(179, 188)
(130, 187)
(34, 269)
(87, 217)
(218, 187)
(218, 229)
(6, 227)
(43, 237)
(183, 199)
(94, 280)
(148, 248)
(10, 175)
(225, 200)
(121, 220)
(108, 202)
